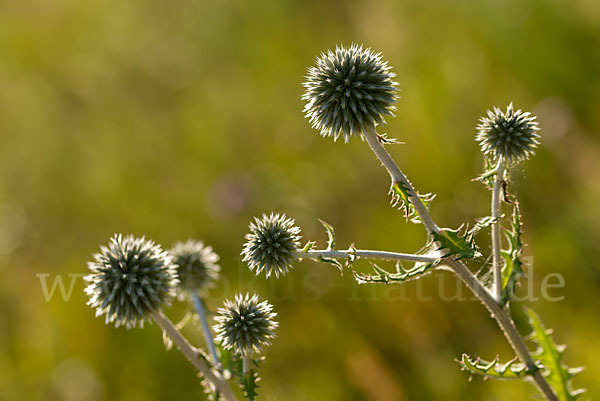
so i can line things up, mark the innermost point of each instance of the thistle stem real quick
(210, 344)
(364, 254)
(193, 355)
(460, 269)
(497, 259)
(246, 362)
(398, 176)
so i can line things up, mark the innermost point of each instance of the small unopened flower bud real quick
(130, 279)
(245, 325)
(197, 266)
(271, 244)
(348, 91)
(510, 135)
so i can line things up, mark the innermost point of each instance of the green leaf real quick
(482, 224)
(334, 262)
(550, 355)
(487, 178)
(309, 245)
(383, 276)
(248, 381)
(228, 361)
(401, 200)
(330, 235)
(351, 256)
(513, 266)
(494, 369)
(459, 246)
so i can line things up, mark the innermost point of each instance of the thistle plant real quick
(130, 279)
(510, 136)
(197, 266)
(133, 280)
(347, 93)
(245, 326)
(271, 244)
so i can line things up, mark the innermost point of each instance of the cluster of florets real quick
(197, 266)
(271, 244)
(130, 279)
(245, 325)
(511, 135)
(348, 91)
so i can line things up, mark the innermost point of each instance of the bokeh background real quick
(182, 119)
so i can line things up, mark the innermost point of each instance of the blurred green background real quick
(182, 119)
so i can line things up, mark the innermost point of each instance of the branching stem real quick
(193, 355)
(210, 344)
(460, 269)
(497, 259)
(398, 176)
(364, 254)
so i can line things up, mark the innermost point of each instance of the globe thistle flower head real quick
(271, 244)
(197, 267)
(348, 91)
(130, 279)
(511, 135)
(245, 325)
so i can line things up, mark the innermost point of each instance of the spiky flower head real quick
(510, 135)
(271, 244)
(130, 279)
(245, 325)
(197, 266)
(348, 91)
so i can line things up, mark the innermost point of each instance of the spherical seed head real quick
(348, 91)
(510, 135)
(130, 279)
(245, 325)
(271, 244)
(197, 266)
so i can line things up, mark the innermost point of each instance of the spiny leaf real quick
(494, 369)
(385, 140)
(513, 266)
(401, 200)
(459, 246)
(211, 393)
(482, 224)
(487, 178)
(351, 256)
(383, 276)
(309, 245)
(550, 355)
(330, 246)
(225, 356)
(330, 235)
(334, 262)
(250, 384)
(399, 268)
(400, 197)
(248, 381)
(426, 199)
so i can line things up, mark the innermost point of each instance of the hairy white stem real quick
(210, 344)
(246, 362)
(193, 355)
(497, 259)
(461, 270)
(365, 254)
(398, 176)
